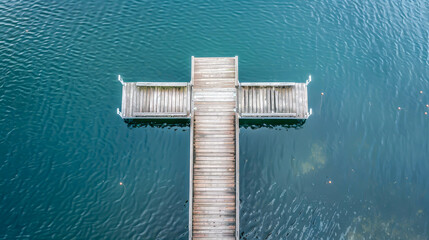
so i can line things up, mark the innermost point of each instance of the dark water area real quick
(356, 169)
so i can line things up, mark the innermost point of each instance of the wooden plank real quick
(214, 70)
(187, 99)
(144, 96)
(157, 100)
(179, 100)
(191, 175)
(214, 75)
(176, 102)
(220, 103)
(253, 104)
(125, 109)
(124, 99)
(145, 100)
(265, 109)
(132, 104)
(150, 99)
(215, 113)
(211, 66)
(127, 99)
(247, 102)
(141, 99)
(302, 104)
(232, 90)
(286, 100)
(162, 103)
(167, 100)
(298, 100)
(221, 68)
(213, 61)
(215, 158)
(276, 95)
(215, 177)
(136, 108)
(293, 99)
(171, 103)
(306, 100)
(280, 99)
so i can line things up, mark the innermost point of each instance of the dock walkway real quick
(214, 148)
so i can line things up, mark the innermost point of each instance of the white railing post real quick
(308, 80)
(120, 80)
(311, 112)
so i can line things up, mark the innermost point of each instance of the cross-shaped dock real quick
(214, 101)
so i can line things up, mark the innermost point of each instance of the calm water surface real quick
(357, 169)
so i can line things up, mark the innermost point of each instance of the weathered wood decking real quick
(214, 101)
(214, 125)
(273, 100)
(155, 100)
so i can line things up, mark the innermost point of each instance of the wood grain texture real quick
(214, 182)
(149, 100)
(273, 100)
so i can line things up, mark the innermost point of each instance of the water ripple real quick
(356, 169)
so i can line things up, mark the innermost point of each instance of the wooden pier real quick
(214, 101)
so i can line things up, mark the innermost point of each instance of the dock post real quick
(119, 112)
(120, 80)
(308, 80)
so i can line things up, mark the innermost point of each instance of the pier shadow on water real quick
(159, 123)
(272, 123)
(245, 123)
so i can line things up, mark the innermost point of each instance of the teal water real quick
(357, 169)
